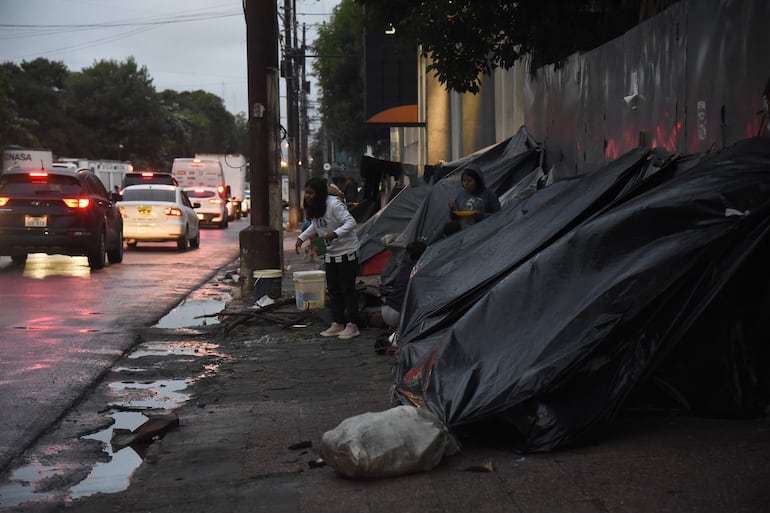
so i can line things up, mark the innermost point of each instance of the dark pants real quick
(343, 298)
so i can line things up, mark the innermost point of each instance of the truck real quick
(195, 172)
(234, 167)
(26, 158)
(110, 172)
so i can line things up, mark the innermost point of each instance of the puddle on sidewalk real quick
(114, 475)
(30, 483)
(183, 348)
(37, 482)
(155, 395)
(193, 313)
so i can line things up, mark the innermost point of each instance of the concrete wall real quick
(689, 79)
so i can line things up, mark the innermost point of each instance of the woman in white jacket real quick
(331, 221)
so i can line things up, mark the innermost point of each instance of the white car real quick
(213, 208)
(159, 213)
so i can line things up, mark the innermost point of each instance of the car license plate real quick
(144, 210)
(35, 221)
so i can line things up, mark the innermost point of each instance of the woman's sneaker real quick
(333, 330)
(350, 331)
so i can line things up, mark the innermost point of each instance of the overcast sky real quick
(207, 52)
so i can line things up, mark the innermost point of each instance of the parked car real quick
(145, 177)
(59, 211)
(159, 213)
(212, 209)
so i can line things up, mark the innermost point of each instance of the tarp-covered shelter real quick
(386, 225)
(647, 278)
(503, 166)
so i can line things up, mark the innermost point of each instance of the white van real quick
(200, 173)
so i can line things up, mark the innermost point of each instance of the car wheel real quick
(96, 259)
(181, 242)
(19, 259)
(115, 256)
(195, 242)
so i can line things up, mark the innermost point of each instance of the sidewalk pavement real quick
(283, 386)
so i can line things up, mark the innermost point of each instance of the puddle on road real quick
(193, 313)
(35, 482)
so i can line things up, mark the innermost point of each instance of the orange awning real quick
(403, 114)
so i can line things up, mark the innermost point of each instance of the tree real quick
(113, 104)
(467, 39)
(37, 89)
(14, 130)
(338, 65)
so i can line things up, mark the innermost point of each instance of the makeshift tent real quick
(376, 234)
(503, 166)
(649, 274)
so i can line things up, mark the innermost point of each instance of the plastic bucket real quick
(267, 282)
(310, 289)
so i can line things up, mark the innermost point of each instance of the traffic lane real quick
(62, 326)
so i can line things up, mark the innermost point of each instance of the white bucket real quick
(310, 289)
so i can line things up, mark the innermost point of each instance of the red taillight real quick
(77, 203)
(221, 189)
(172, 211)
(4, 201)
(38, 174)
(148, 174)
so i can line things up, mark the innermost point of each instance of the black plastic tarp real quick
(503, 166)
(548, 316)
(387, 224)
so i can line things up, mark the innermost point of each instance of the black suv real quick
(59, 211)
(145, 177)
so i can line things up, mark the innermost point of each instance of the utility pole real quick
(290, 71)
(260, 246)
(303, 123)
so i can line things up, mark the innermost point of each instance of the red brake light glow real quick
(38, 174)
(221, 189)
(172, 211)
(77, 203)
(147, 174)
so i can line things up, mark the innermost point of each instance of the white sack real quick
(393, 442)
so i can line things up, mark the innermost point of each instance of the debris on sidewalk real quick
(398, 441)
(156, 425)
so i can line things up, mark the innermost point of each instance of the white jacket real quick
(336, 219)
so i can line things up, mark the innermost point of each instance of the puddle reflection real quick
(36, 482)
(28, 483)
(114, 475)
(192, 313)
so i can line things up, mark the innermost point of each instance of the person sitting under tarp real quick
(473, 202)
(393, 296)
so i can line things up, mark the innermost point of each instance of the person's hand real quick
(297, 245)
(330, 236)
(452, 205)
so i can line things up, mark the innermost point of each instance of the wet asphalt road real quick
(62, 326)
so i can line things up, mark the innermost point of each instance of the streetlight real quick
(120, 147)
